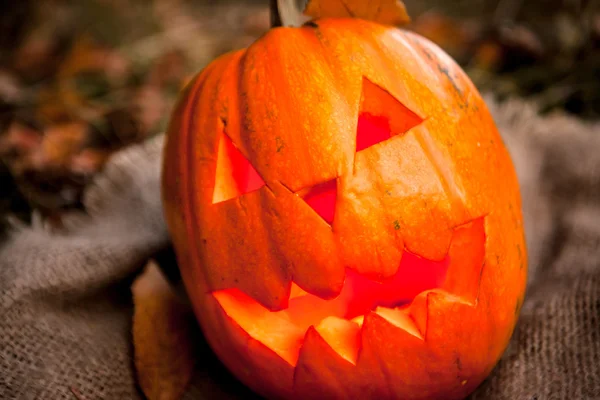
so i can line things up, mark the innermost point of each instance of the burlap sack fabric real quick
(65, 300)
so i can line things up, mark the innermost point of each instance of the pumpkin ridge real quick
(195, 96)
(216, 100)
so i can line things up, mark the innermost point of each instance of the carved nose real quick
(372, 129)
(321, 198)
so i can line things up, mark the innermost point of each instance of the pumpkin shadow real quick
(211, 379)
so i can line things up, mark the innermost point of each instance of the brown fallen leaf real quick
(162, 337)
(88, 55)
(58, 145)
(388, 12)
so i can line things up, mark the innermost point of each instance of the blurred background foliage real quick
(80, 80)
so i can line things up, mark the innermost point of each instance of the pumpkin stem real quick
(287, 12)
(275, 18)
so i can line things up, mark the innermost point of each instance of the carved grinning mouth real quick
(339, 321)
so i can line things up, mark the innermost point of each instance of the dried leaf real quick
(162, 337)
(389, 12)
(87, 55)
(59, 144)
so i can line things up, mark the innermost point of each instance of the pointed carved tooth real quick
(359, 320)
(250, 360)
(402, 361)
(396, 359)
(342, 335)
(273, 329)
(400, 319)
(439, 314)
(296, 291)
(321, 373)
(378, 329)
(418, 311)
(467, 255)
(447, 318)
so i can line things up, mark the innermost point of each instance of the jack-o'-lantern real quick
(345, 215)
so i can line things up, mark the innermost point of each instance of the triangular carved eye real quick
(235, 175)
(381, 116)
(371, 130)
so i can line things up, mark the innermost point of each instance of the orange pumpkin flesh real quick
(345, 215)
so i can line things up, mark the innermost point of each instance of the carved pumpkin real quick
(345, 215)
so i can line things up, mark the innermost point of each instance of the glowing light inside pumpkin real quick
(414, 275)
(235, 175)
(381, 116)
(372, 129)
(321, 198)
(337, 319)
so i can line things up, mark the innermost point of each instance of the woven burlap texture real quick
(65, 300)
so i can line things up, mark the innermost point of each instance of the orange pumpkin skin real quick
(441, 187)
